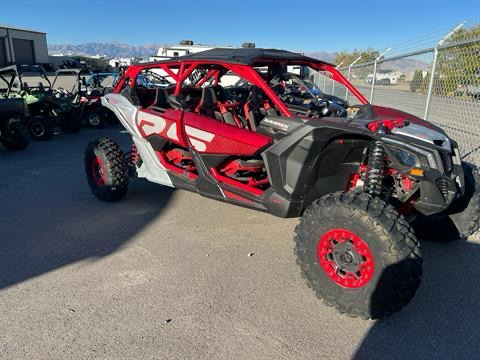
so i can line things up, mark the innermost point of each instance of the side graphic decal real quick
(150, 124)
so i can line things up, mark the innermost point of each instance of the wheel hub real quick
(345, 258)
(98, 171)
(94, 120)
(38, 129)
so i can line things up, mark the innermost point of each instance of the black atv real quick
(13, 132)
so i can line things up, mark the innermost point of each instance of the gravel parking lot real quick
(166, 274)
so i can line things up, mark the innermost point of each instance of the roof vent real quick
(248, 45)
(186, 42)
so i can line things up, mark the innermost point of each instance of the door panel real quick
(163, 123)
(210, 136)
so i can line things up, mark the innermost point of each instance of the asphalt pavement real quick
(166, 274)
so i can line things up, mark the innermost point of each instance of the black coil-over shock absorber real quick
(374, 176)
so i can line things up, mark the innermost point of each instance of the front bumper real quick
(440, 188)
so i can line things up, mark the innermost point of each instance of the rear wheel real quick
(106, 170)
(95, 118)
(358, 254)
(18, 138)
(41, 128)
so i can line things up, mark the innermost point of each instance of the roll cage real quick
(213, 69)
(11, 73)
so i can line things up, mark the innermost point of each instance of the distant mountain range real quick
(112, 50)
(117, 50)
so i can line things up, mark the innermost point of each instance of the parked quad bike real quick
(360, 180)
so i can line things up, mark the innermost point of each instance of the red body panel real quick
(226, 139)
(166, 124)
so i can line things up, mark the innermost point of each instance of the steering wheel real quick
(333, 110)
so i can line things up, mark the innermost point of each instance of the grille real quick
(447, 162)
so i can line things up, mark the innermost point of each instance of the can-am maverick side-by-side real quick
(358, 179)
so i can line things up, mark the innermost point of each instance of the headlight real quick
(422, 159)
(406, 158)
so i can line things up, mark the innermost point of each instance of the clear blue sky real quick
(295, 25)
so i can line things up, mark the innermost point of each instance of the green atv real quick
(48, 107)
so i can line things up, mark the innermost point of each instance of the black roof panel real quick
(248, 56)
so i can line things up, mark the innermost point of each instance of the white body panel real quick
(151, 168)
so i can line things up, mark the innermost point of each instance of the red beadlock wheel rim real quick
(98, 171)
(345, 258)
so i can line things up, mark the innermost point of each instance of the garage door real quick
(3, 55)
(23, 50)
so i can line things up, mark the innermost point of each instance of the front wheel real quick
(17, 137)
(106, 170)
(358, 254)
(41, 128)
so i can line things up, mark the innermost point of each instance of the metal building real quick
(22, 46)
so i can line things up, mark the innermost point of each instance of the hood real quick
(375, 112)
(410, 125)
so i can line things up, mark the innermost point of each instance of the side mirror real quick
(177, 101)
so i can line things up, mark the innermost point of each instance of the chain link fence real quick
(440, 84)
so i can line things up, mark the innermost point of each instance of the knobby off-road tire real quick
(378, 242)
(19, 138)
(462, 218)
(41, 128)
(106, 170)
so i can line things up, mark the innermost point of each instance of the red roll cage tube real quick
(180, 70)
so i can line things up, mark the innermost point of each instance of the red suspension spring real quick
(134, 155)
